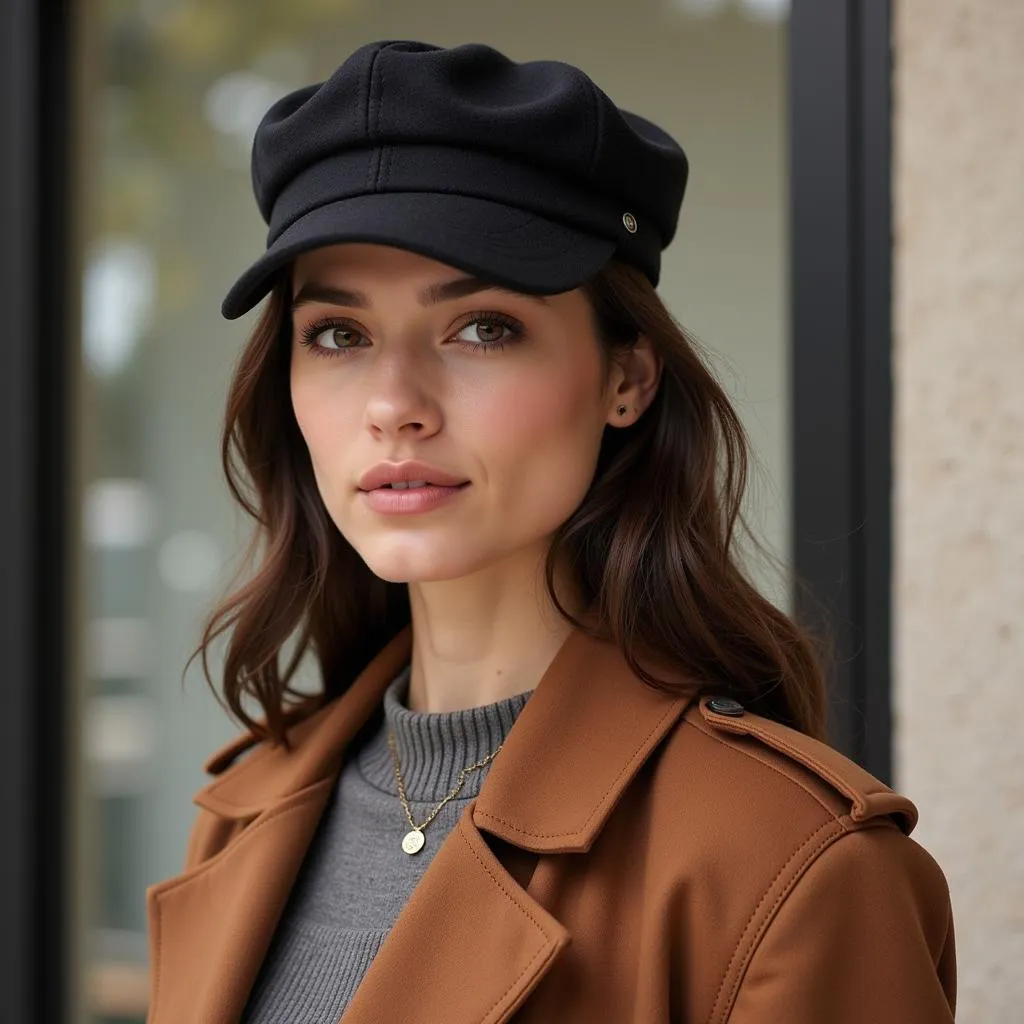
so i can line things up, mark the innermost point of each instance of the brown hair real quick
(651, 545)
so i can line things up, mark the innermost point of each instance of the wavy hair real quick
(651, 546)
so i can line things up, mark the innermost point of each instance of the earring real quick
(622, 410)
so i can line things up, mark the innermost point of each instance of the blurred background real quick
(850, 252)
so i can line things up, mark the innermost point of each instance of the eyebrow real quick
(433, 294)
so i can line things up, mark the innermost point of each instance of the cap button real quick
(726, 706)
(630, 221)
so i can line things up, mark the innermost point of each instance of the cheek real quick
(541, 444)
(321, 417)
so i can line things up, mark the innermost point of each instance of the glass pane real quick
(179, 86)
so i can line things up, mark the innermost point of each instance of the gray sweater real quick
(356, 877)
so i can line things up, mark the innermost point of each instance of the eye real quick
(485, 331)
(487, 328)
(491, 332)
(326, 337)
(333, 336)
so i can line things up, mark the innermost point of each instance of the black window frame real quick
(841, 353)
(38, 358)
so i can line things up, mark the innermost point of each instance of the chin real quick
(407, 574)
(416, 566)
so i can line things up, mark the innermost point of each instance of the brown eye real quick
(328, 339)
(333, 337)
(487, 331)
(487, 328)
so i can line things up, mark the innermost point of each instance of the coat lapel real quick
(471, 943)
(210, 927)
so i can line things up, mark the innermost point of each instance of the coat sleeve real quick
(865, 936)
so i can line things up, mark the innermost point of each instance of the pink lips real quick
(404, 472)
(411, 499)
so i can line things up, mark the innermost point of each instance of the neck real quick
(483, 638)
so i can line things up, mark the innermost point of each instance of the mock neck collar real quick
(434, 746)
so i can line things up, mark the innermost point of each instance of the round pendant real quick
(413, 841)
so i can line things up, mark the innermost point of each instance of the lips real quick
(385, 473)
(413, 485)
(409, 500)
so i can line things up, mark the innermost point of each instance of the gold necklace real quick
(413, 841)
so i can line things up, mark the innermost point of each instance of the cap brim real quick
(512, 247)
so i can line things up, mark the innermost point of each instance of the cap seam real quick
(372, 127)
(383, 153)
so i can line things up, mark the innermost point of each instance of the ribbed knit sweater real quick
(356, 877)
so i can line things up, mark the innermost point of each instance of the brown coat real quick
(631, 857)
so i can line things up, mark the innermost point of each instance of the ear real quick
(633, 382)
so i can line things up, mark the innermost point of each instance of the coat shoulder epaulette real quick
(868, 796)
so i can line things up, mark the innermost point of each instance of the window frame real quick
(841, 353)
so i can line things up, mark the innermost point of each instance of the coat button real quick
(726, 706)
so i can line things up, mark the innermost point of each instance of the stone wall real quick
(958, 137)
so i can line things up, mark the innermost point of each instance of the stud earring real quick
(622, 410)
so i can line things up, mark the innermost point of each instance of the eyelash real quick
(310, 333)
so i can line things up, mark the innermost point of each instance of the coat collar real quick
(576, 744)
(574, 748)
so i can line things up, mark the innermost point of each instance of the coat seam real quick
(523, 910)
(836, 831)
(848, 828)
(628, 766)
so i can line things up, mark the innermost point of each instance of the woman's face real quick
(499, 389)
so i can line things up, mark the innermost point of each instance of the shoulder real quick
(249, 773)
(787, 768)
(300, 723)
(745, 803)
(804, 860)
(229, 753)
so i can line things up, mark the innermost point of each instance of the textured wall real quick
(959, 449)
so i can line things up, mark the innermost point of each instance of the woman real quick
(567, 764)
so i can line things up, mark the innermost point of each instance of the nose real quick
(398, 398)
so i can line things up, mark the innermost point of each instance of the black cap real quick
(524, 173)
